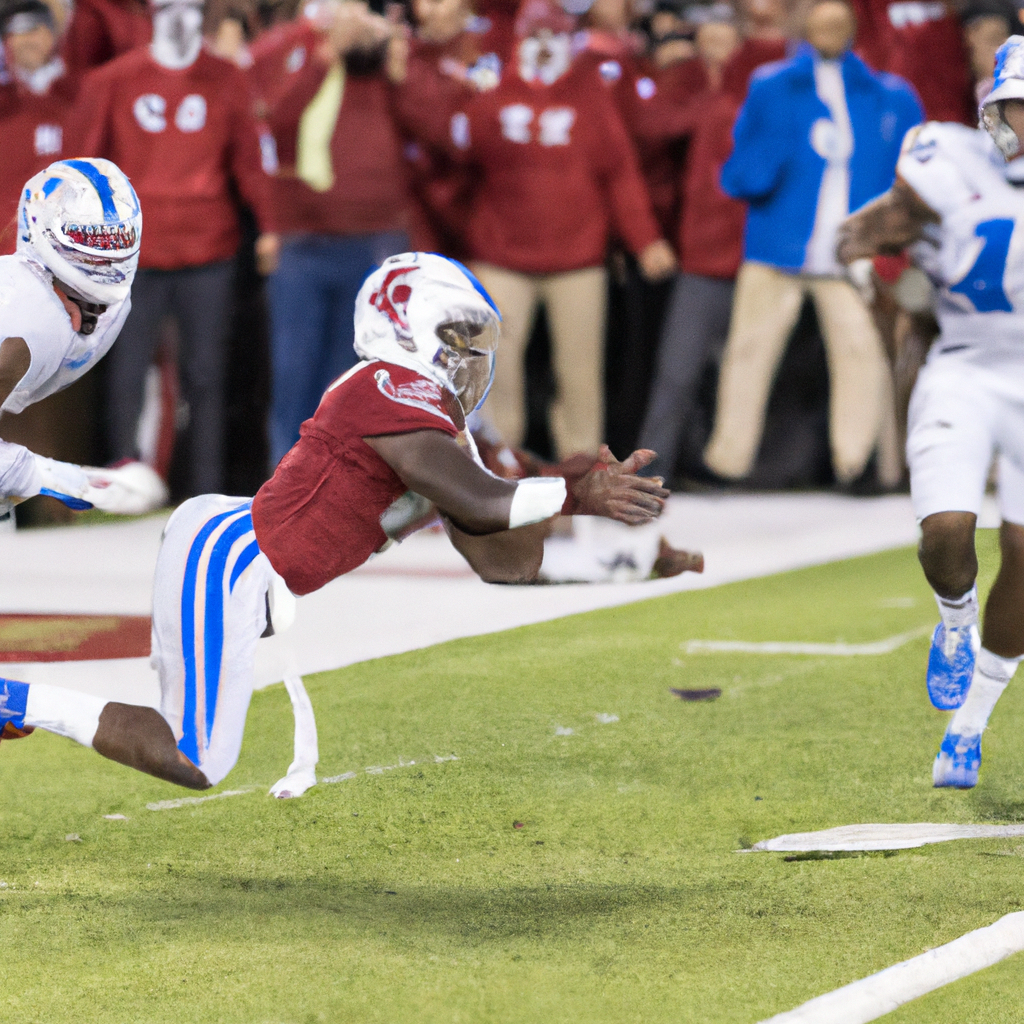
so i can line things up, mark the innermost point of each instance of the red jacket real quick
(654, 116)
(710, 238)
(100, 30)
(370, 190)
(32, 128)
(424, 105)
(923, 43)
(557, 175)
(185, 139)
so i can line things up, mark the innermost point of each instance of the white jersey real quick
(30, 309)
(975, 256)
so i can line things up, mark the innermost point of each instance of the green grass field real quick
(409, 895)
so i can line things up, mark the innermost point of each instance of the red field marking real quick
(73, 637)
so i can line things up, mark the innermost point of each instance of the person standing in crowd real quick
(446, 65)
(555, 176)
(34, 106)
(924, 44)
(817, 137)
(179, 122)
(100, 30)
(710, 234)
(341, 197)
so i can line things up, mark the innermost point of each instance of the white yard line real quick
(873, 997)
(189, 801)
(895, 836)
(837, 650)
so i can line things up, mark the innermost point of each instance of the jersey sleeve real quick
(928, 164)
(387, 399)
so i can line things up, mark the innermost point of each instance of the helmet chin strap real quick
(177, 35)
(90, 311)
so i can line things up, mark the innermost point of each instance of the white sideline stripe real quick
(878, 994)
(188, 801)
(883, 837)
(840, 650)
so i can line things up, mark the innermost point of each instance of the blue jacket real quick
(774, 168)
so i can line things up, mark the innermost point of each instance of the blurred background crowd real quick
(650, 189)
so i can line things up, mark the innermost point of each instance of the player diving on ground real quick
(228, 568)
(64, 295)
(958, 202)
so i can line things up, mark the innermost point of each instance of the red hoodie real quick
(32, 128)
(185, 139)
(370, 191)
(100, 30)
(557, 175)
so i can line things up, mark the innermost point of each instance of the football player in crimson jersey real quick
(228, 568)
(960, 205)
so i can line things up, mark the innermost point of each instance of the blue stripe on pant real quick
(219, 570)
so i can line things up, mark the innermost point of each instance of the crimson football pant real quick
(766, 306)
(200, 300)
(576, 304)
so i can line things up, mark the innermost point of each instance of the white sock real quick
(64, 712)
(957, 612)
(991, 676)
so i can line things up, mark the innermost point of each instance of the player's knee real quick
(946, 552)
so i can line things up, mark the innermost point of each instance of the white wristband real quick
(536, 498)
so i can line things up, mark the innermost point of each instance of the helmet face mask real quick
(81, 220)
(467, 355)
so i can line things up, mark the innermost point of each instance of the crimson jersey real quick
(184, 138)
(319, 515)
(100, 30)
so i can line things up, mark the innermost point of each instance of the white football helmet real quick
(430, 314)
(81, 219)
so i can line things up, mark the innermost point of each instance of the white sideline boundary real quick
(837, 650)
(882, 837)
(878, 994)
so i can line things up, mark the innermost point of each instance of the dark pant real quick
(312, 300)
(696, 325)
(199, 299)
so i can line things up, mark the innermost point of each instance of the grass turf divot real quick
(539, 878)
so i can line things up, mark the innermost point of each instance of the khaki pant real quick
(765, 309)
(575, 303)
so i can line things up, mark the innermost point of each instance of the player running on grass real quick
(960, 205)
(426, 331)
(63, 298)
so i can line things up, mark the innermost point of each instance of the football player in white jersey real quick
(958, 202)
(63, 298)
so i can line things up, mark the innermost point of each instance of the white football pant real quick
(961, 415)
(209, 609)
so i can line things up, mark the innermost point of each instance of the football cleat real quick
(957, 762)
(951, 665)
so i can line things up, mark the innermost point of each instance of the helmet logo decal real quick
(101, 183)
(392, 299)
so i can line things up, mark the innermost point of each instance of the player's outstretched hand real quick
(128, 490)
(617, 492)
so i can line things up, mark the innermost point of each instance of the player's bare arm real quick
(887, 225)
(433, 464)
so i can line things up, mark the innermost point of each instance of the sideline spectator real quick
(987, 25)
(922, 42)
(556, 172)
(178, 121)
(34, 106)
(100, 30)
(446, 66)
(710, 236)
(817, 136)
(341, 197)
